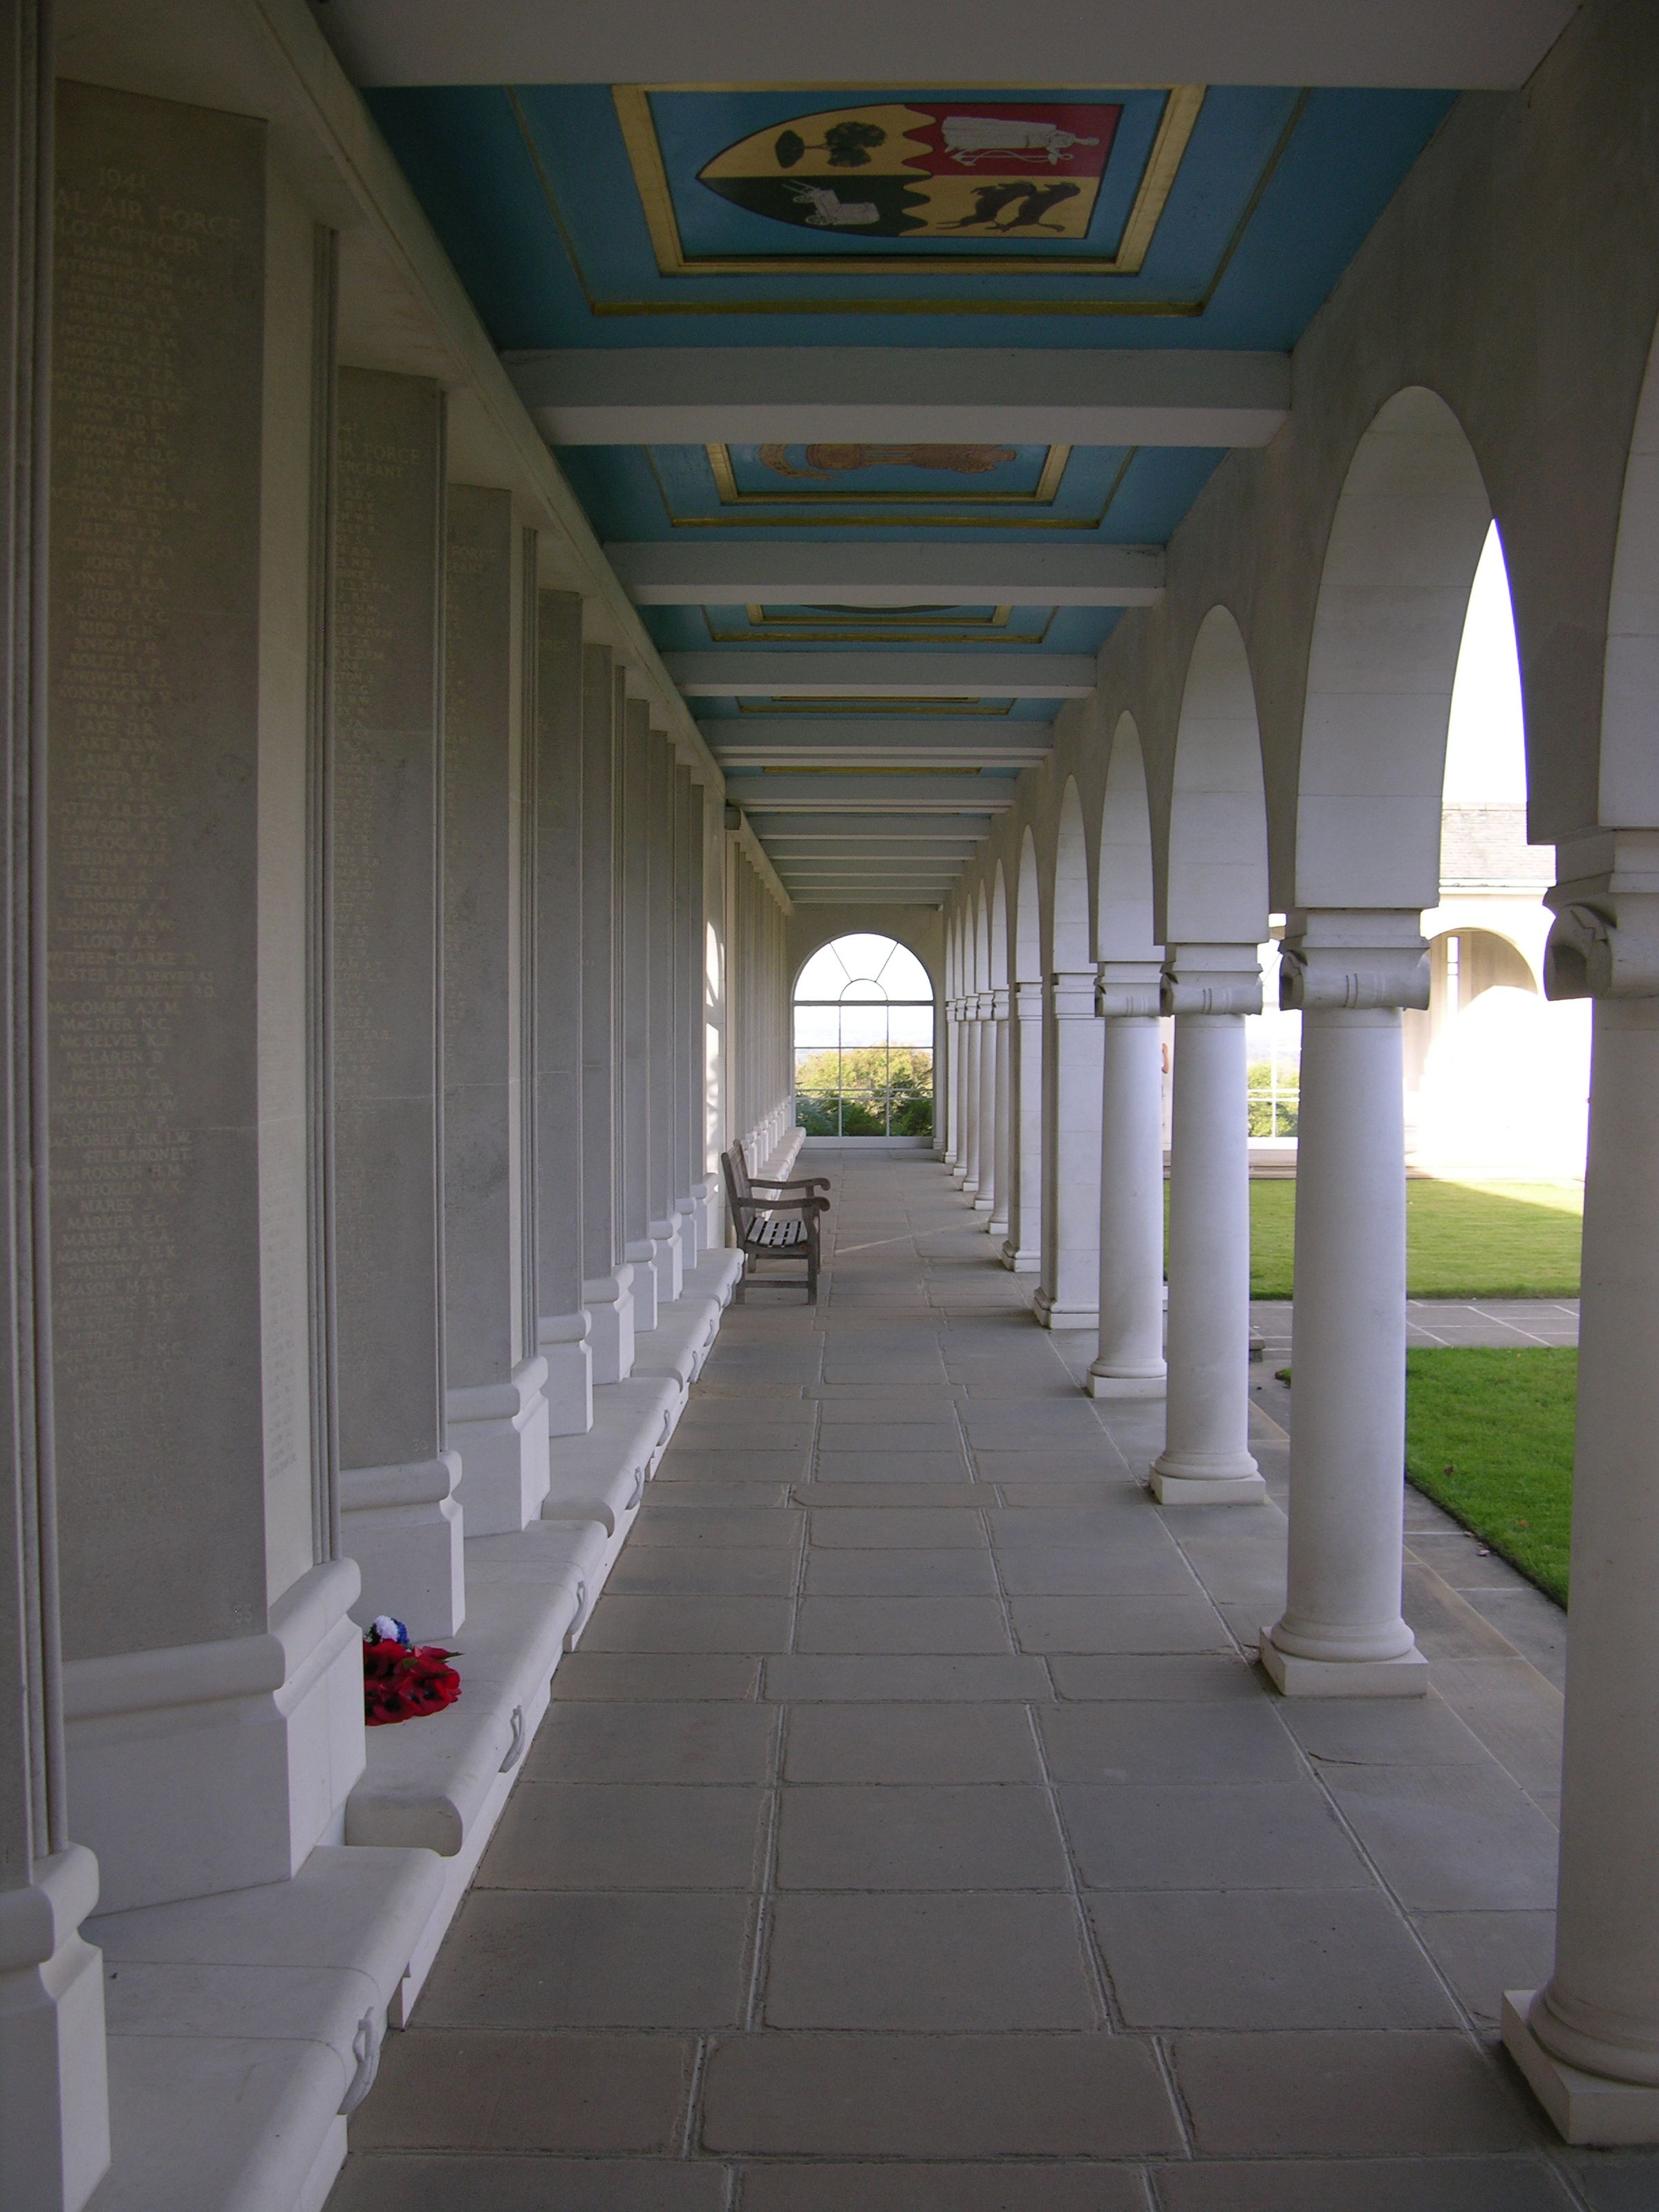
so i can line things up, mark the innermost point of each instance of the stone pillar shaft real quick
(54, 2101)
(1070, 1291)
(1003, 1102)
(1341, 1632)
(1022, 1247)
(1130, 1360)
(635, 1075)
(1588, 2041)
(984, 1197)
(607, 1278)
(496, 1411)
(1206, 1459)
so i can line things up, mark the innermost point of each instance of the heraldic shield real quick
(918, 169)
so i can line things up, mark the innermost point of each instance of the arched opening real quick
(1495, 1079)
(864, 1042)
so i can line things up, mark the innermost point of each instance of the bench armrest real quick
(793, 1182)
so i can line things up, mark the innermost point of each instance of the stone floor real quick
(913, 1834)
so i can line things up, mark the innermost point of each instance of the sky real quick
(1485, 753)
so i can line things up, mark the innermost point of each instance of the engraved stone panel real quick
(601, 1245)
(480, 1292)
(387, 830)
(153, 787)
(558, 952)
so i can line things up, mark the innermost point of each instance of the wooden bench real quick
(770, 1226)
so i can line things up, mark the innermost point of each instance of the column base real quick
(984, 1205)
(402, 1527)
(609, 1300)
(667, 1259)
(998, 1224)
(1586, 2108)
(54, 2089)
(643, 1256)
(1293, 1676)
(1052, 1314)
(499, 1431)
(204, 1767)
(1172, 1488)
(1018, 1261)
(1148, 1381)
(562, 1340)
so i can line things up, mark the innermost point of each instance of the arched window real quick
(864, 1042)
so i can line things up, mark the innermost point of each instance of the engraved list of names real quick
(153, 784)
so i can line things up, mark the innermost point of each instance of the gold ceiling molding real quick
(846, 511)
(639, 130)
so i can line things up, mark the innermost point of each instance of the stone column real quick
(401, 1522)
(1588, 2041)
(951, 1071)
(1341, 1633)
(1130, 1361)
(961, 1090)
(973, 1034)
(1070, 1291)
(212, 1680)
(54, 2103)
(688, 1011)
(663, 1191)
(562, 1321)
(1207, 1461)
(608, 1279)
(985, 1198)
(634, 1082)
(712, 1000)
(1022, 1247)
(1002, 1030)
(496, 1410)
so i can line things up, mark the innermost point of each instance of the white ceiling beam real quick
(878, 794)
(1479, 45)
(762, 741)
(782, 830)
(941, 395)
(907, 576)
(978, 674)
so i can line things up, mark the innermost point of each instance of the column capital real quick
(983, 1006)
(1071, 991)
(1602, 947)
(1124, 988)
(1027, 1001)
(1348, 958)
(1000, 1006)
(1210, 978)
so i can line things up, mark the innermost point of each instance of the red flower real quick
(401, 1682)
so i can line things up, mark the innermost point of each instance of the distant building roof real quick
(1485, 848)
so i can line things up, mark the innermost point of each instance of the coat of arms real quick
(926, 169)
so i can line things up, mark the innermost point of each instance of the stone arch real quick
(1627, 794)
(1124, 905)
(1215, 870)
(997, 972)
(1394, 596)
(1069, 910)
(981, 942)
(1028, 916)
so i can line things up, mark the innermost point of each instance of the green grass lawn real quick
(1462, 1240)
(1489, 1436)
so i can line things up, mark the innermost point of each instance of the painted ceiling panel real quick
(1162, 219)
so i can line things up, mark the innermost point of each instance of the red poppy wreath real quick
(401, 1680)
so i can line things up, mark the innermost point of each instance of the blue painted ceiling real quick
(587, 217)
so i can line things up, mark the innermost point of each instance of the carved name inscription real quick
(387, 916)
(153, 785)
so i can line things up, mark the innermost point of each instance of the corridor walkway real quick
(912, 1833)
